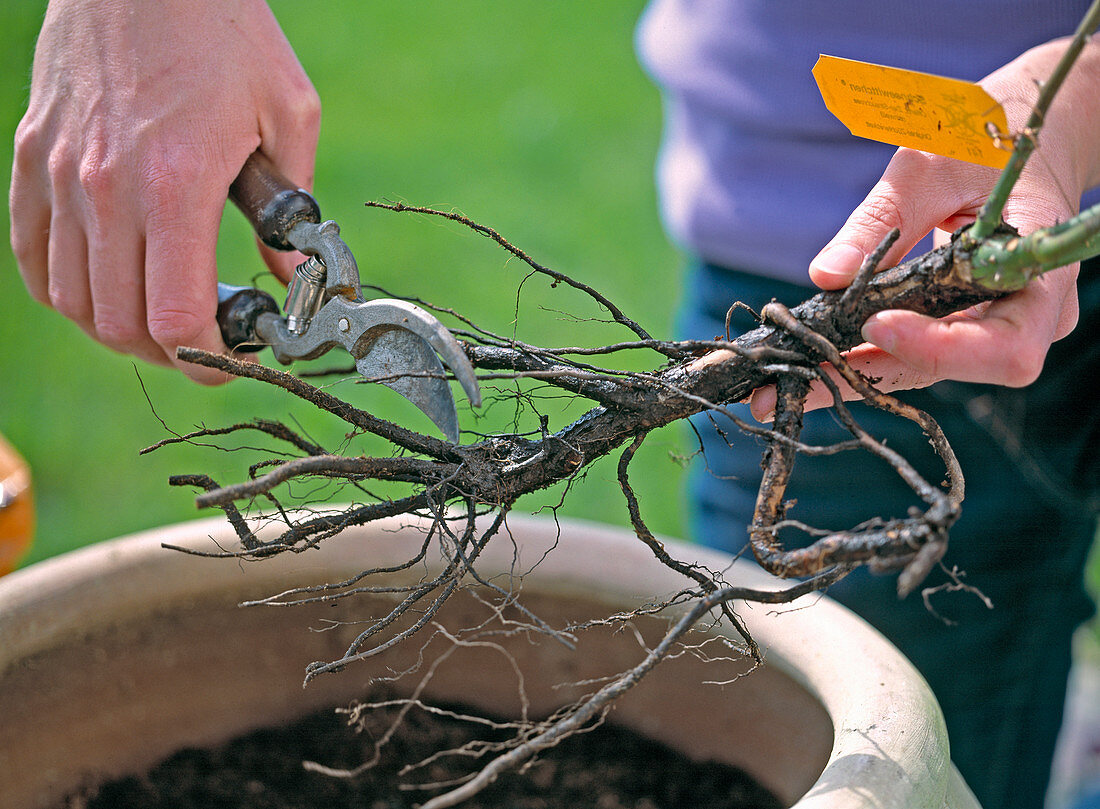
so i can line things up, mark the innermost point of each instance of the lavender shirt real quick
(754, 172)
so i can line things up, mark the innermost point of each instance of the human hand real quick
(1004, 342)
(140, 117)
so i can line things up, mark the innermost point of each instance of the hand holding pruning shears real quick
(140, 119)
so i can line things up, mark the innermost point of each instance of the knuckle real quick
(73, 306)
(170, 328)
(1024, 366)
(62, 163)
(118, 333)
(306, 108)
(28, 248)
(879, 213)
(302, 103)
(98, 174)
(25, 246)
(157, 185)
(29, 139)
(167, 177)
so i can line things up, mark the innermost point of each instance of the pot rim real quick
(890, 746)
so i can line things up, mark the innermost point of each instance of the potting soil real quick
(605, 768)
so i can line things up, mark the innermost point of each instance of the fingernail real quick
(840, 261)
(879, 333)
(763, 404)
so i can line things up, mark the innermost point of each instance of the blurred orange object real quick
(16, 507)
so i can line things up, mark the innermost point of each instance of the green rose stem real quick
(1005, 262)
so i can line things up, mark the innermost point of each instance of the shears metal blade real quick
(393, 342)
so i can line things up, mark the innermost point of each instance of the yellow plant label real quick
(944, 116)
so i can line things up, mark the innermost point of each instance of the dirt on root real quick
(605, 768)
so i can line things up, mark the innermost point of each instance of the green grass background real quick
(533, 118)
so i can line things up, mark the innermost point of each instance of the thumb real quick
(917, 193)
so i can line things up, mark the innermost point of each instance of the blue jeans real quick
(1029, 457)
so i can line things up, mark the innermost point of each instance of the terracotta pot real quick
(117, 655)
(16, 507)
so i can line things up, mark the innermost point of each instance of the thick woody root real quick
(466, 491)
(913, 544)
(490, 474)
(454, 485)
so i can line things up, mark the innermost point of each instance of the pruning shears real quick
(393, 342)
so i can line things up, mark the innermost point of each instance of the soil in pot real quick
(606, 768)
